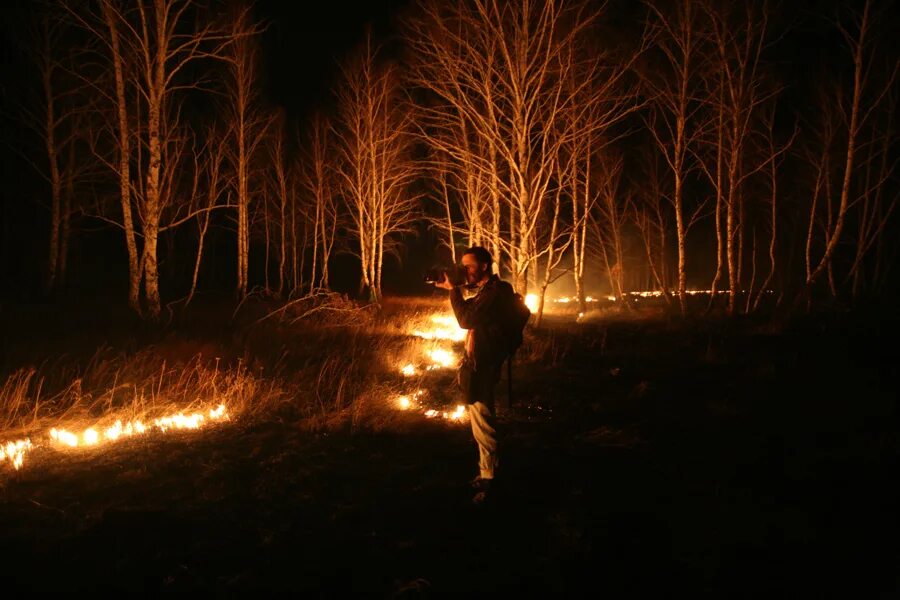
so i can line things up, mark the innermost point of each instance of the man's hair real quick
(481, 255)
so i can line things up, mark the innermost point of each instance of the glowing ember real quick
(15, 452)
(404, 403)
(531, 301)
(408, 370)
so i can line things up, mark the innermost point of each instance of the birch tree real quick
(739, 38)
(319, 208)
(53, 115)
(503, 73)
(210, 165)
(865, 95)
(674, 118)
(375, 169)
(248, 124)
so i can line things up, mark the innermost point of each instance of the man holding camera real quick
(481, 313)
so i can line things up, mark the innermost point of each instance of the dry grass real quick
(324, 363)
(113, 386)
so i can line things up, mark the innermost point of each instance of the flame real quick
(15, 452)
(92, 437)
(444, 332)
(531, 301)
(442, 358)
(446, 329)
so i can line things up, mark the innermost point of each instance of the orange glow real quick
(64, 438)
(15, 452)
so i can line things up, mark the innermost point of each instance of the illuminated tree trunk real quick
(553, 255)
(833, 236)
(874, 214)
(672, 124)
(152, 191)
(214, 150)
(123, 149)
(249, 125)
(65, 229)
(374, 167)
(581, 207)
(51, 121)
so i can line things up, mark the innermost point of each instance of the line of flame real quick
(15, 451)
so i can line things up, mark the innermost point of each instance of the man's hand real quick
(444, 283)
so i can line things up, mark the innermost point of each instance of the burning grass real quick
(324, 370)
(117, 396)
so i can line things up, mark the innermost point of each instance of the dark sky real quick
(304, 42)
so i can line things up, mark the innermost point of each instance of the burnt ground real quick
(719, 458)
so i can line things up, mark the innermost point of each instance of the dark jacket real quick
(483, 315)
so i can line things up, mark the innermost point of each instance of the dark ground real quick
(647, 458)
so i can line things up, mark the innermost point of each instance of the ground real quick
(642, 456)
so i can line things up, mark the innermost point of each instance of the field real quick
(643, 454)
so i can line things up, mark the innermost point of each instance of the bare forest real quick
(670, 155)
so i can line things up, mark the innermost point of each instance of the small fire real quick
(446, 329)
(531, 301)
(15, 452)
(442, 358)
(459, 413)
(91, 437)
(439, 354)
(412, 402)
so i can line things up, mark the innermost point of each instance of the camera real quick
(456, 274)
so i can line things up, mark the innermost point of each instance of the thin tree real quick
(375, 169)
(248, 124)
(739, 37)
(319, 208)
(855, 114)
(674, 119)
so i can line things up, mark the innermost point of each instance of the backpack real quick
(515, 316)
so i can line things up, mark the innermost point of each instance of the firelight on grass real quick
(445, 328)
(94, 436)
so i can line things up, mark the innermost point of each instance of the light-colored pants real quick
(486, 437)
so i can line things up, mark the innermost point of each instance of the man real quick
(486, 350)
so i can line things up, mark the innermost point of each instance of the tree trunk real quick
(124, 156)
(852, 132)
(55, 180)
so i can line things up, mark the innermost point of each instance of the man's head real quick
(478, 264)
